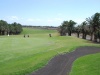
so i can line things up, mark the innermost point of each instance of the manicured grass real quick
(87, 65)
(20, 56)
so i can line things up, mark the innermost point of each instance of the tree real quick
(14, 28)
(66, 27)
(70, 27)
(63, 28)
(96, 25)
(90, 25)
(98, 34)
(3, 27)
(78, 30)
(84, 29)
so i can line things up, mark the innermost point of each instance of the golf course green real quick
(21, 56)
(87, 65)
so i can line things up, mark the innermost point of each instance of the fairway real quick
(20, 56)
(87, 65)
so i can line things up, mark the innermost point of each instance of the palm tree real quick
(63, 28)
(3, 27)
(78, 30)
(84, 29)
(70, 27)
(66, 27)
(90, 25)
(96, 25)
(15, 28)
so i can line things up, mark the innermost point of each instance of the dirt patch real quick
(61, 64)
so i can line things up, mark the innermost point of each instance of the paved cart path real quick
(61, 64)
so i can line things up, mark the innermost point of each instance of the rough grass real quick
(87, 65)
(21, 56)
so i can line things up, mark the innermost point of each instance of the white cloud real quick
(33, 20)
(12, 18)
(30, 19)
(48, 21)
(54, 20)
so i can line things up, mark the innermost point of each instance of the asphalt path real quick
(62, 64)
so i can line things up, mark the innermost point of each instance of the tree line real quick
(11, 29)
(91, 26)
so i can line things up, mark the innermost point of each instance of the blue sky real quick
(47, 12)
